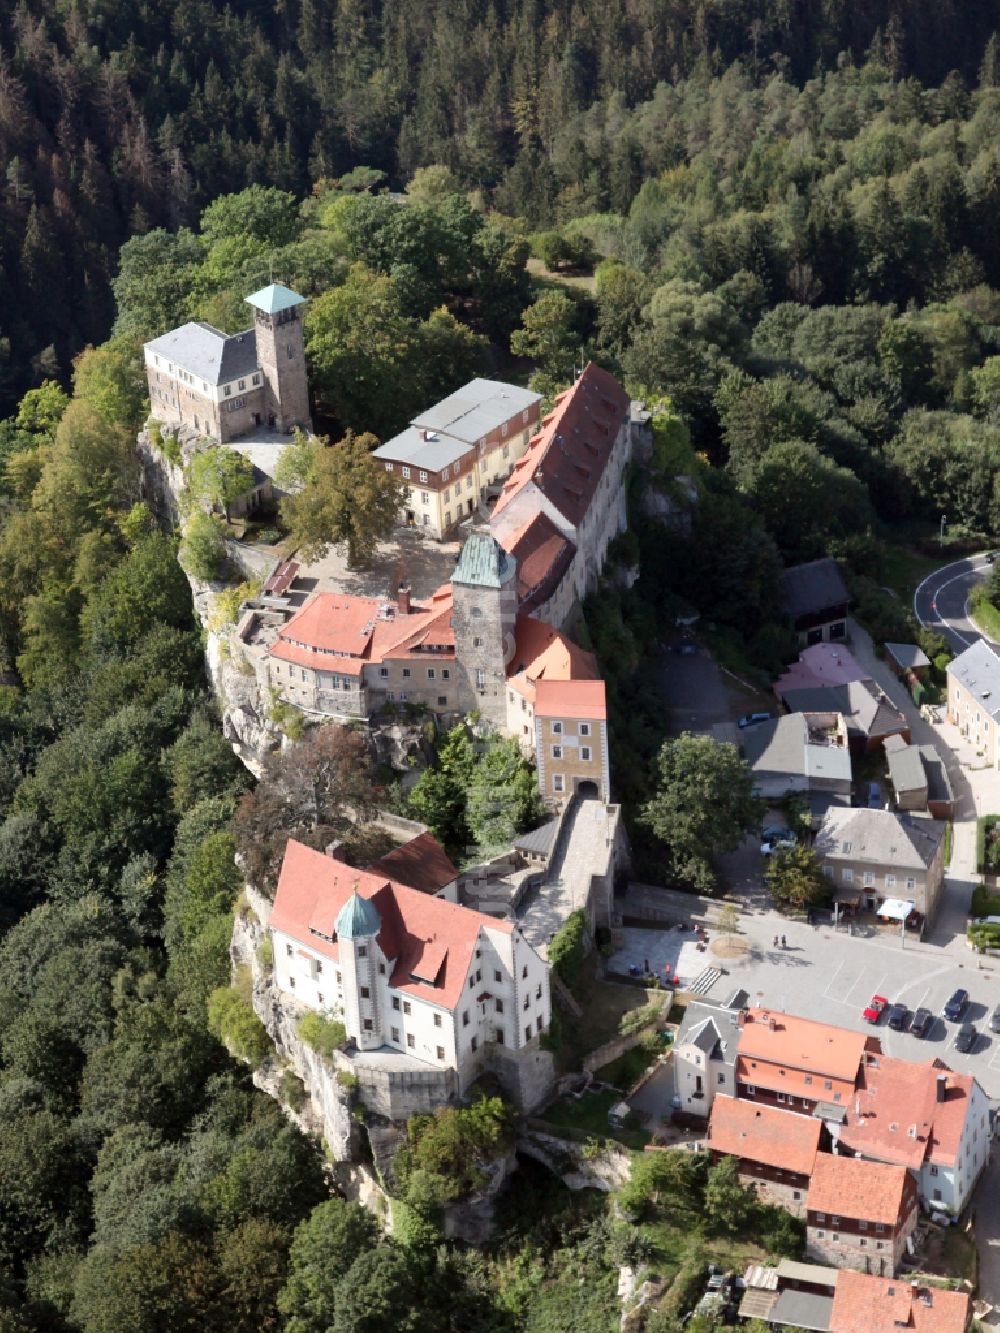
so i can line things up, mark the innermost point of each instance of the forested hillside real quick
(119, 117)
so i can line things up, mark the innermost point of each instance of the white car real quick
(772, 845)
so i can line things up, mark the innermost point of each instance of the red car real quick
(876, 1008)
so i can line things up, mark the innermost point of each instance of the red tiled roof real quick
(335, 622)
(542, 653)
(543, 556)
(763, 1134)
(571, 699)
(421, 864)
(318, 661)
(853, 1188)
(895, 1115)
(418, 932)
(866, 1304)
(800, 1043)
(567, 458)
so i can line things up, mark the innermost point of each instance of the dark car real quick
(995, 1020)
(751, 719)
(874, 796)
(955, 1007)
(898, 1018)
(990, 557)
(967, 1037)
(921, 1022)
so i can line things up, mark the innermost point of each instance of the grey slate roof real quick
(938, 782)
(880, 837)
(713, 1028)
(479, 407)
(907, 655)
(906, 769)
(483, 563)
(539, 841)
(865, 710)
(411, 448)
(812, 587)
(207, 353)
(802, 1309)
(783, 746)
(978, 670)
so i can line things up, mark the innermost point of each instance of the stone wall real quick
(576, 1164)
(778, 1193)
(847, 1251)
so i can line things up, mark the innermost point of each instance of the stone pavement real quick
(585, 852)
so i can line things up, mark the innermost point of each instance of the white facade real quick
(949, 1187)
(504, 999)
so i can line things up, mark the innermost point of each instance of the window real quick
(834, 1220)
(527, 1033)
(506, 451)
(499, 1006)
(425, 498)
(527, 1002)
(465, 1018)
(319, 996)
(828, 871)
(474, 1043)
(288, 950)
(557, 782)
(721, 1078)
(406, 473)
(934, 1170)
(440, 1052)
(227, 389)
(911, 883)
(430, 673)
(524, 972)
(381, 969)
(847, 876)
(538, 991)
(479, 971)
(863, 1225)
(365, 993)
(394, 1033)
(879, 1226)
(395, 1002)
(446, 472)
(477, 643)
(437, 1020)
(446, 674)
(388, 467)
(557, 752)
(406, 672)
(584, 728)
(845, 847)
(468, 482)
(503, 430)
(407, 1007)
(498, 1036)
(255, 379)
(423, 476)
(472, 983)
(447, 494)
(497, 974)
(585, 753)
(363, 951)
(827, 1085)
(557, 728)
(338, 978)
(410, 1041)
(447, 518)
(869, 879)
(367, 1024)
(243, 384)
(427, 520)
(890, 881)
(480, 679)
(442, 701)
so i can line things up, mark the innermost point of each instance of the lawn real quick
(624, 1071)
(985, 615)
(903, 569)
(604, 1004)
(587, 1117)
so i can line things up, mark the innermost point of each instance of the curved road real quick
(941, 602)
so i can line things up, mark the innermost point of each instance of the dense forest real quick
(119, 118)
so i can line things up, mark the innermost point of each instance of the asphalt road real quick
(941, 602)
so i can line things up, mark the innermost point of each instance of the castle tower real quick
(358, 924)
(484, 616)
(282, 357)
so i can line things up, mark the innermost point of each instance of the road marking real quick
(972, 565)
(826, 993)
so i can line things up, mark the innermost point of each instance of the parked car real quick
(955, 1007)
(782, 843)
(967, 1037)
(995, 1020)
(687, 650)
(898, 1017)
(921, 1022)
(991, 557)
(877, 1006)
(875, 799)
(751, 719)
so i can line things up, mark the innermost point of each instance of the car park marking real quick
(994, 1062)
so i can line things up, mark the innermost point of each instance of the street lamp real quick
(941, 532)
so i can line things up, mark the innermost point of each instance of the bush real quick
(569, 948)
(231, 1018)
(348, 1080)
(637, 1019)
(292, 1090)
(226, 607)
(685, 1291)
(265, 952)
(448, 1150)
(203, 548)
(324, 1035)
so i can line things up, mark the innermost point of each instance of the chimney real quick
(425, 435)
(403, 599)
(942, 1086)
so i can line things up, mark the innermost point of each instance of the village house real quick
(974, 698)
(705, 1055)
(869, 714)
(919, 778)
(776, 1151)
(815, 601)
(921, 1116)
(451, 456)
(819, 665)
(418, 980)
(801, 753)
(859, 1214)
(881, 861)
(224, 386)
(870, 1304)
(573, 472)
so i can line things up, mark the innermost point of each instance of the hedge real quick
(569, 947)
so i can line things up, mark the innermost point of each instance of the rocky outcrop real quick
(580, 1166)
(327, 1110)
